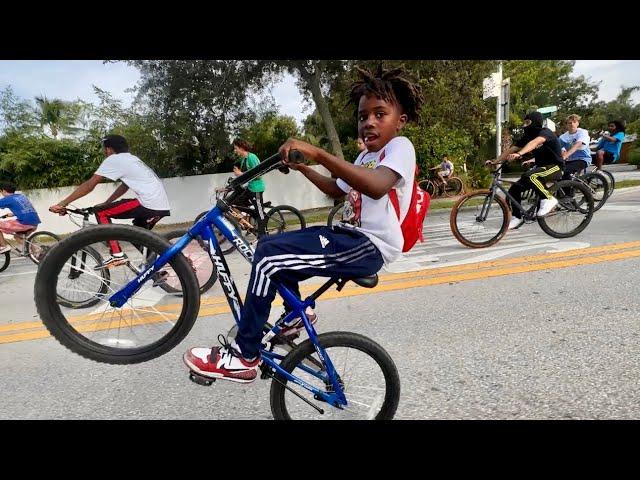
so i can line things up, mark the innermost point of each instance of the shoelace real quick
(229, 350)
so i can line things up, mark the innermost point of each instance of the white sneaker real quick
(515, 223)
(546, 205)
(5, 249)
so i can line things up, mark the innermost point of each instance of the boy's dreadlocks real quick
(389, 86)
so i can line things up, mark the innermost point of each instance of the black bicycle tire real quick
(506, 215)
(598, 205)
(104, 286)
(333, 212)
(39, 234)
(7, 261)
(458, 182)
(214, 272)
(428, 186)
(223, 249)
(586, 191)
(610, 178)
(59, 328)
(333, 339)
(280, 208)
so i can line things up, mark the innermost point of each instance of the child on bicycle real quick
(368, 236)
(446, 169)
(25, 218)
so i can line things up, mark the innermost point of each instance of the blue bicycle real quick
(137, 320)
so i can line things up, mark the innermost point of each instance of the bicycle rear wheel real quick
(479, 219)
(78, 289)
(599, 188)
(150, 324)
(610, 180)
(574, 210)
(197, 255)
(39, 243)
(453, 187)
(368, 376)
(284, 218)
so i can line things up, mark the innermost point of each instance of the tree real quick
(313, 75)
(268, 131)
(16, 113)
(199, 105)
(58, 115)
(541, 83)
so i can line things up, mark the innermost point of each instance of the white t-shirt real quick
(377, 219)
(138, 177)
(567, 140)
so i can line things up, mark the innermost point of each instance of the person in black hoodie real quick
(548, 165)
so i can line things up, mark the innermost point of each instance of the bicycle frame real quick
(204, 229)
(496, 184)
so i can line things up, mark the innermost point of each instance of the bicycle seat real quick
(266, 204)
(365, 282)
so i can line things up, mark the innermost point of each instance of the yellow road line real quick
(355, 291)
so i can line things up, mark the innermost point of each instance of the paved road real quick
(533, 327)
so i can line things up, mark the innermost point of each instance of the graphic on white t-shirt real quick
(377, 219)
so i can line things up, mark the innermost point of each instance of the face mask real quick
(536, 123)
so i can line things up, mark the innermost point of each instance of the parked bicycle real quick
(335, 374)
(449, 186)
(481, 218)
(31, 244)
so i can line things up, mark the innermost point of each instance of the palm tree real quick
(52, 114)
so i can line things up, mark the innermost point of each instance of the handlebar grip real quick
(296, 156)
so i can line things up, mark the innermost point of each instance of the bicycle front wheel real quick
(5, 261)
(198, 257)
(39, 243)
(428, 186)
(479, 219)
(367, 374)
(573, 212)
(284, 218)
(151, 322)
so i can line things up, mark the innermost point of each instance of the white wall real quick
(188, 197)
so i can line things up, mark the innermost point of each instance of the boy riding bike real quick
(548, 165)
(151, 205)
(369, 236)
(25, 218)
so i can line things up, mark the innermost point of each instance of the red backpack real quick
(412, 224)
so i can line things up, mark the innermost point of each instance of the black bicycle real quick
(481, 218)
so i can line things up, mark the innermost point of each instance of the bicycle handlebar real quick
(271, 163)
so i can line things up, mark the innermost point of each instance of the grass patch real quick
(627, 183)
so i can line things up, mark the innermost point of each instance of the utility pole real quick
(498, 116)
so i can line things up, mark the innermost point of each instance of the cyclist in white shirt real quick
(146, 210)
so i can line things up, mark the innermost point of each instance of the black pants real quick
(533, 179)
(575, 166)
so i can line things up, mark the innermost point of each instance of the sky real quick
(73, 79)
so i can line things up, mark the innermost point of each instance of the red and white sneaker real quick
(224, 362)
(298, 325)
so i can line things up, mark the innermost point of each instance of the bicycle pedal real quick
(200, 380)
